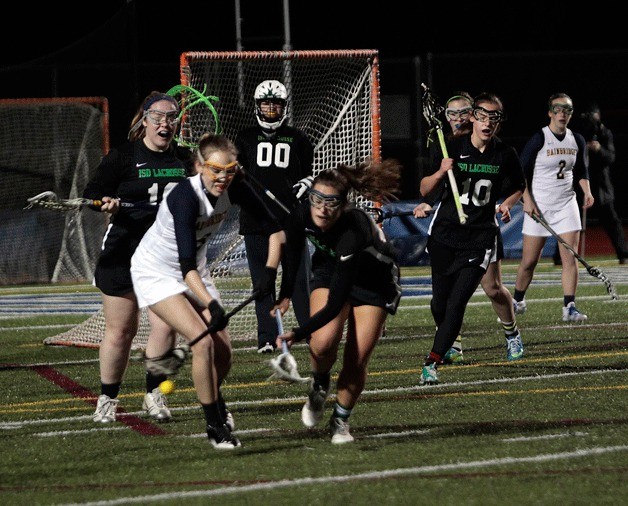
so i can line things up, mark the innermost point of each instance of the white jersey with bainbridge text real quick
(552, 182)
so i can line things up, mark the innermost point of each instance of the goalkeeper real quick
(279, 157)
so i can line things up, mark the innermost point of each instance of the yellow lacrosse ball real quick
(166, 387)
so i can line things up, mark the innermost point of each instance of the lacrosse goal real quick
(49, 144)
(333, 98)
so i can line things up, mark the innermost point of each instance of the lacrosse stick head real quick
(594, 271)
(193, 116)
(50, 200)
(284, 368)
(169, 363)
(431, 108)
(42, 199)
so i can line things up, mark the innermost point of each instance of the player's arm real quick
(514, 185)
(104, 184)
(430, 184)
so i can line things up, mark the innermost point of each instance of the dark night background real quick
(523, 51)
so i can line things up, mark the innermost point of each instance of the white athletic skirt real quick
(154, 280)
(561, 221)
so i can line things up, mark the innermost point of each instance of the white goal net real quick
(49, 144)
(334, 99)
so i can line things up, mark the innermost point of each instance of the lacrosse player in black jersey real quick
(458, 112)
(143, 170)
(279, 158)
(485, 169)
(355, 281)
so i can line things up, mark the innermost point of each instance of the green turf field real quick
(548, 429)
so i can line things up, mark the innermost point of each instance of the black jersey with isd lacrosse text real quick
(352, 259)
(277, 160)
(133, 173)
(483, 178)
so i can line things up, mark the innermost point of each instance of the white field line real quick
(301, 398)
(546, 436)
(372, 475)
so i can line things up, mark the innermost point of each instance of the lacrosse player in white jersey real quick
(170, 273)
(552, 159)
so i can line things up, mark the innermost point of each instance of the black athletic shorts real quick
(113, 279)
(500, 246)
(447, 260)
(388, 298)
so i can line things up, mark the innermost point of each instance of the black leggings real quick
(454, 280)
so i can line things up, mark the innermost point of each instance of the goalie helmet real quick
(270, 91)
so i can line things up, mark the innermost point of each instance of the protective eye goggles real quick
(457, 114)
(225, 171)
(267, 102)
(483, 115)
(557, 108)
(157, 117)
(321, 200)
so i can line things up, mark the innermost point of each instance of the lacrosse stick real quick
(583, 233)
(188, 98)
(379, 215)
(268, 193)
(284, 367)
(49, 200)
(170, 363)
(593, 271)
(431, 110)
(211, 328)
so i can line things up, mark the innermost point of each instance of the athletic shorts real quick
(388, 298)
(499, 248)
(114, 279)
(561, 221)
(155, 281)
(447, 260)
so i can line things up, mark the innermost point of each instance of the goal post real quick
(333, 97)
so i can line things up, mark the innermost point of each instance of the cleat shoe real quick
(225, 413)
(571, 314)
(221, 438)
(313, 409)
(514, 347)
(519, 306)
(453, 356)
(429, 375)
(339, 431)
(229, 421)
(266, 348)
(106, 409)
(155, 405)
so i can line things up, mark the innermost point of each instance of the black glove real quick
(266, 284)
(219, 319)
